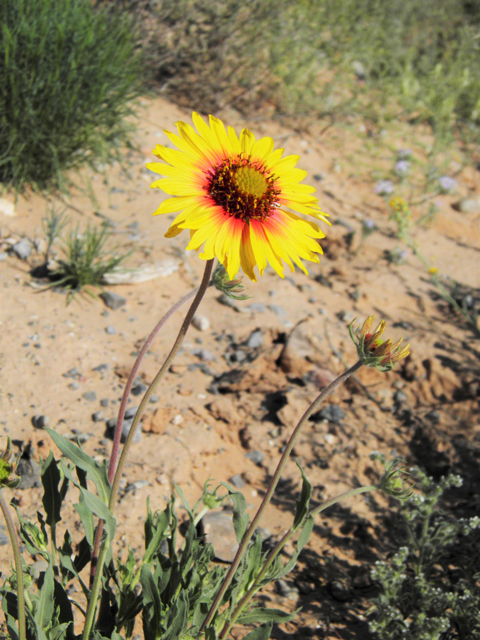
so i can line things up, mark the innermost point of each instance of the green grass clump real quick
(87, 260)
(68, 71)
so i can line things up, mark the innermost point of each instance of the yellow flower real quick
(230, 191)
(373, 351)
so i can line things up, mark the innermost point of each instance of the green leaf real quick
(87, 519)
(260, 633)
(305, 533)
(152, 606)
(97, 507)
(52, 497)
(97, 473)
(45, 604)
(304, 501)
(240, 518)
(262, 614)
(176, 620)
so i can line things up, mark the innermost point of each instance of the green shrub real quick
(68, 70)
(316, 58)
(431, 586)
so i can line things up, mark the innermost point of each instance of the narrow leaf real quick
(260, 633)
(262, 614)
(304, 501)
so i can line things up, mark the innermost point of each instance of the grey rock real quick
(89, 396)
(332, 413)
(287, 590)
(73, 386)
(338, 591)
(359, 69)
(255, 339)
(202, 323)
(237, 356)
(154, 399)
(255, 456)
(228, 302)
(22, 249)
(102, 367)
(104, 402)
(4, 539)
(30, 472)
(112, 300)
(400, 397)
(434, 417)
(204, 354)
(40, 422)
(345, 316)
(258, 307)
(237, 481)
(3, 256)
(72, 373)
(131, 412)
(139, 389)
(110, 330)
(219, 531)
(97, 416)
(125, 430)
(277, 310)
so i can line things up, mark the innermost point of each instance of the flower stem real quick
(271, 488)
(136, 421)
(22, 627)
(121, 416)
(278, 547)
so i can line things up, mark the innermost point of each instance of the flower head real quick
(402, 167)
(383, 188)
(231, 192)
(373, 351)
(447, 184)
(8, 467)
(396, 480)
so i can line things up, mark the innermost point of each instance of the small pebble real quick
(73, 386)
(102, 367)
(112, 300)
(139, 389)
(40, 422)
(255, 339)
(89, 396)
(153, 399)
(259, 307)
(400, 397)
(255, 456)
(97, 416)
(228, 302)
(201, 323)
(332, 413)
(277, 310)
(131, 412)
(177, 420)
(22, 249)
(237, 481)
(104, 402)
(110, 330)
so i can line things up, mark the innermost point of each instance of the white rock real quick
(201, 323)
(176, 420)
(141, 274)
(7, 207)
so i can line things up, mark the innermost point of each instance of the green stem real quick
(271, 488)
(276, 550)
(128, 443)
(22, 627)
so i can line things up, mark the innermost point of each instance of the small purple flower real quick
(404, 154)
(369, 224)
(402, 167)
(447, 184)
(383, 188)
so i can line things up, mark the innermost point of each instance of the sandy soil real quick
(203, 425)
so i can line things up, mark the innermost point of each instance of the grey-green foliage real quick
(431, 585)
(68, 70)
(87, 259)
(171, 585)
(317, 57)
